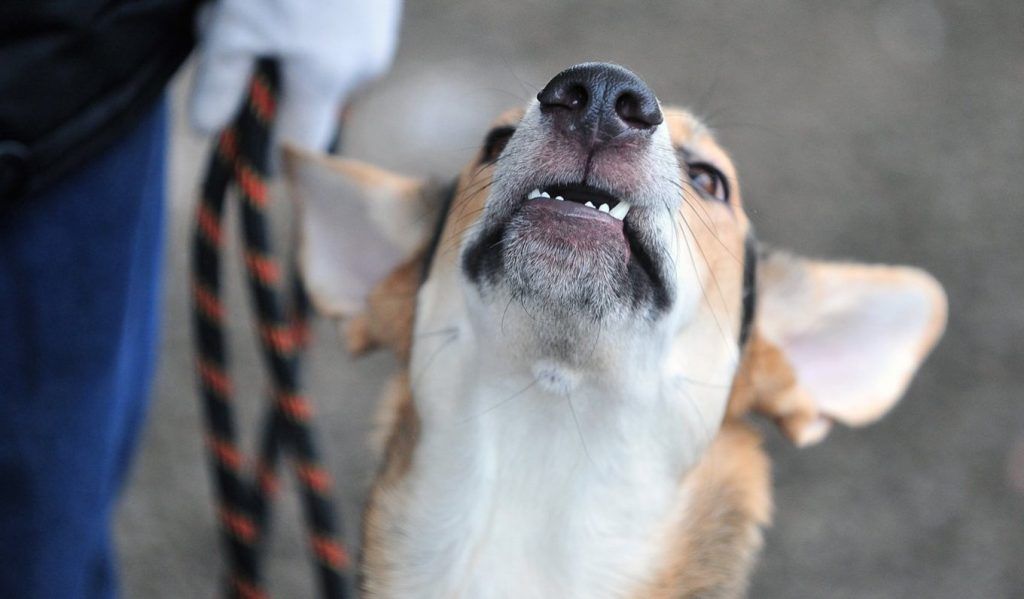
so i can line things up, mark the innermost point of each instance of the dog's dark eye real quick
(709, 180)
(495, 142)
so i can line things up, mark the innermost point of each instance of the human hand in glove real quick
(326, 49)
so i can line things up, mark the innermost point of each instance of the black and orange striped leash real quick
(245, 488)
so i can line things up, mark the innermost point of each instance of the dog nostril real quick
(630, 109)
(576, 97)
(570, 96)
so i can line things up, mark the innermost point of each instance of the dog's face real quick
(607, 253)
(599, 239)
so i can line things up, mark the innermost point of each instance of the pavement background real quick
(889, 131)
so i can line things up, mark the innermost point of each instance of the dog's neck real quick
(525, 481)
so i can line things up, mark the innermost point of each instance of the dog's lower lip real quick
(618, 230)
(573, 227)
(582, 231)
(557, 236)
(576, 210)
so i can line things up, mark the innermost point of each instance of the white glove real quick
(326, 49)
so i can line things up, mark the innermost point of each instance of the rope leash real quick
(245, 491)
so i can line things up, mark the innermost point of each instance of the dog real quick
(585, 324)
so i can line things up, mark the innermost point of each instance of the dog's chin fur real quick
(579, 281)
(563, 299)
(573, 317)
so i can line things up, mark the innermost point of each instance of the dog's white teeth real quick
(620, 210)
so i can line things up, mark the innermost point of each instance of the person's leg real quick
(79, 301)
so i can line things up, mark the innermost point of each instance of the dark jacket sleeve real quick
(77, 74)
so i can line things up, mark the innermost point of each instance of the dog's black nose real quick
(599, 101)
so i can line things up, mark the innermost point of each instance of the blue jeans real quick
(79, 300)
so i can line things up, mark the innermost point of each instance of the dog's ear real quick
(358, 223)
(836, 341)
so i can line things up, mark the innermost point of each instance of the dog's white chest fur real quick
(518, 492)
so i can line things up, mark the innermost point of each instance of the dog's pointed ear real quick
(837, 342)
(357, 224)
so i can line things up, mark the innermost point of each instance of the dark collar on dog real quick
(447, 197)
(749, 287)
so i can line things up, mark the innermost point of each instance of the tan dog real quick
(582, 339)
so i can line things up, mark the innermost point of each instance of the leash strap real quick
(245, 488)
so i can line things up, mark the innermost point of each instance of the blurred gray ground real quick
(889, 131)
